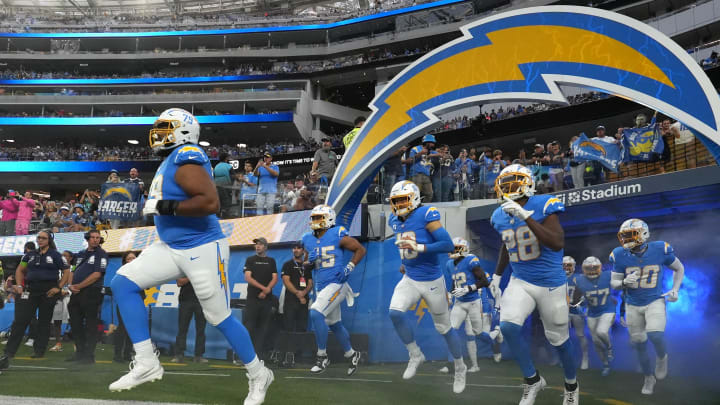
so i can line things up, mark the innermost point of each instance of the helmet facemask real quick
(630, 238)
(401, 205)
(318, 222)
(512, 185)
(592, 271)
(163, 133)
(569, 268)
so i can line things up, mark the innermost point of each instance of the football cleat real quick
(321, 363)
(530, 392)
(473, 369)
(572, 397)
(497, 357)
(4, 362)
(57, 348)
(412, 367)
(610, 355)
(459, 379)
(605, 371)
(661, 367)
(141, 371)
(444, 370)
(354, 361)
(258, 387)
(648, 385)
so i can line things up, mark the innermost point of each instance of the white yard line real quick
(200, 374)
(39, 367)
(73, 401)
(337, 379)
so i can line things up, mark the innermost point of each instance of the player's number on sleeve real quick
(155, 191)
(327, 258)
(407, 253)
(459, 280)
(597, 297)
(648, 275)
(524, 240)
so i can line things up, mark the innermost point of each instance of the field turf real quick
(219, 382)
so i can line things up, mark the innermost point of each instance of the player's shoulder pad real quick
(550, 204)
(616, 254)
(306, 237)
(190, 154)
(342, 232)
(431, 213)
(473, 261)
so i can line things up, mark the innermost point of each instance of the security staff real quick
(44, 273)
(87, 281)
(298, 284)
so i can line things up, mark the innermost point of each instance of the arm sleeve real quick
(443, 242)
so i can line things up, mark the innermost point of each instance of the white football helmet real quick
(461, 248)
(633, 233)
(322, 217)
(404, 198)
(174, 127)
(514, 182)
(592, 267)
(568, 265)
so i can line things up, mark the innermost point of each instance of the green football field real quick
(219, 382)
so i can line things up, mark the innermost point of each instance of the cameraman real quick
(421, 168)
(9, 206)
(87, 281)
(442, 180)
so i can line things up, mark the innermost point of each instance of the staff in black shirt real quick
(87, 281)
(189, 306)
(261, 275)
(298, 284)
(44, 273)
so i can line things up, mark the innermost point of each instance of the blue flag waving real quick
(607, 153)
(641, 143)
(121, 201)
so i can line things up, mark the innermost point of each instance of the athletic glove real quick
(410, 245)
(495, 288)
(671, 296)
(516, 210)
(160, 207)
(631, 280)
(462, 291)
(349, 269)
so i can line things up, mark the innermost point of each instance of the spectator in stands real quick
(261, 276)
(87, 281)
(347, 139)
(394, 170)
(114, 178)
(189, 307)
(325, 161)
(267, 174)
(135, 179)
(556, 171)
(522, 158)
(9, 206)
(64, 220)
(298, 284)
(600, 134)
(421, 168)
(667, 139)
(81, 220)
(304, 200)
(223, 182)
(463, 174)
(248, 184)
(25, 214)
(539, 156)
(684, 143)
(577, 169)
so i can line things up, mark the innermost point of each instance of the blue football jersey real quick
(462, 275)
(571, 293)
(649, 266)
(530, 261)
(181, 232)
(330, 266)
(488, 302)
(597, 292)
(418, 266)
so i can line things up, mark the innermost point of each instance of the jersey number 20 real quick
(524, 240)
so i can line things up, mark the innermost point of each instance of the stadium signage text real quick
(119, 207)
(599, 194)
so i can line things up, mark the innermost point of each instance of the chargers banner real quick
(120, 201)
(607, 153)
(641, 143)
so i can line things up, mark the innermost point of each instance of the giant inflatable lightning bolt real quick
(524, 55)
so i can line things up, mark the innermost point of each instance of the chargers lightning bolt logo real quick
(524, 55)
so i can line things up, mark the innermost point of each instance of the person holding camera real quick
(37, 287)
(87, 281)
(421, 168)
(9, 206)
(267, 174)
(25, 214)
(223, 182)
(442, 179)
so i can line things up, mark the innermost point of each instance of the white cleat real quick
(258, 387)
(497, 357)
(459, 380)
(530, 392)
(141, 371)
(473, 369)
(584, 362)
(444, 370)
(572, 397)
(649, 385)
(412, 367)
(661, 367)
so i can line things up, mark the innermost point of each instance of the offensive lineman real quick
(327, 245)
(638, 268)
(577, 316)
(420, 238)
(594, 286)
(533, 242)
(184, 201)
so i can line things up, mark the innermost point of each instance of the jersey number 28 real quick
(524, 240)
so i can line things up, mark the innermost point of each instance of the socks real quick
(643, 357)
(658, 340)
(322, 353)
(413, 349)
(459, 364)
(238, 337)
(132, 308)
(532, 379)
(513, 337)
(567, 358)
(472, 351)
(254, 367)
(402, 326)
(144, 349)
(342, 335)
(454, 343)
(321, 329)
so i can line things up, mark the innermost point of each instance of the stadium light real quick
(133, 141)
(204, 143)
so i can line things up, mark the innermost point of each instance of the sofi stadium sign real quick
(604, 192)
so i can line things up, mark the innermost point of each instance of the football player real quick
(594, 286)
(420, 238)
(533, 242)
(468, 278)
(491, 321)
(638, 268)
(577, 314)
(326, 245)
(184, 202)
